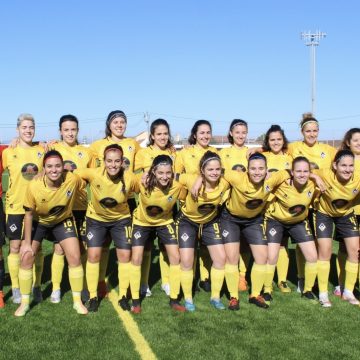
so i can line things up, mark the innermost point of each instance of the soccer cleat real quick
(338, 291)
(234, 304)
(284, 287)
(205, 285)
(350, 298)
(189, 305)
(16, 296)
(166, 288)
(85, 295)
(93, 304)
(243, 285)
(217, 304)
(300, 287)
(55, 296)
(37, 294)
(2, 302)
(145, 290)
(136, 307)
(175, 305)
(22, 310)
(267, 297)
(80, 308)
(258, 301)
(308, 295)
(324, 301)
(124, 304)
(102, 289)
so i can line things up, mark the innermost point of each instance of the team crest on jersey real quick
(309, 194)
(98, 186)
(68, 193)
(130, 148)
(169, 199)
(355, 191)
(43, 200)
(267, 188)
(239, 168)
(29, 170)
(80, 154)
(322, 155)
(287, 165)
(39, 154)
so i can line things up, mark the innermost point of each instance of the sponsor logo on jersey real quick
(253, 204)
(69, 165)
(108, 202)
(154, 210)
(339, 203)
(205, 209)
(239, 167)
(297, 210)
(29, 170)
(57, 210)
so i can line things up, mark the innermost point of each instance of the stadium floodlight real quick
(313, 39)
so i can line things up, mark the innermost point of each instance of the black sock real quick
(2, 274)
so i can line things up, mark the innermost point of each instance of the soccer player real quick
(51, 198)
(187, 161)
(336, 208)
(107, 214)
(75, 156)
(287, 215)
(2, 235)
(235, 158)
(115, 129)
(23, 162)
(275, 150)
(320, 157)
(160, 143)
(200, 216)
(243, 215)
(155, 214)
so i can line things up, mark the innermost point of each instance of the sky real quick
(178, 60)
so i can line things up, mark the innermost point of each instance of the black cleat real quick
(93, 304)
(258, 301)
(205, 285)
(308, 295)
(124, 304)
(267, 297)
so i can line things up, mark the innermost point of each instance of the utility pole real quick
(313, 40)
(147, 120)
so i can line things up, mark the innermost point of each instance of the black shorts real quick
(119, 230)
(64, 230)
(252, 229)
(345, 226)
(299, 232)
(14, 226)
(80, 223)
(188, 232)
(165, 233)
(2, 224)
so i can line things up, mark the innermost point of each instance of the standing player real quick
(2, 235)
(75, 157)
(51, 198)
(23, 162)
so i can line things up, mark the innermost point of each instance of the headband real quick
(240, 122)
(209, 159)
(308, 122)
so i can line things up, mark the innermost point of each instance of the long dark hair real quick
(159, 160)
(154, 125)
(112, 115)
(208, 156)
(345, 144)
(234, 123)
(194, 129)
(274, 128)
(120, 175)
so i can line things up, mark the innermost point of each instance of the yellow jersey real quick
(52, 206)
(248, 200)
(108, 200)
(276, 162)
(234, 158)
(207, 205)
(23, 163)
(320, 156)
(357, 169)
(145, 157)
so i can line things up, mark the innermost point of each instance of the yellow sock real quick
(164, 269)
(323, 267)
(57, 267)
(174, 280)
(217, 280)
(282, 265)
(244, 263)
(92, 277)
(258, 274)
(300, 263)
(340, 267)
(135, 276)
(25, 281)
(351, 270)
(186, 279)
(310, 275)
(124, 278)
(76, 278)
(269, 277)
(232, 280)
(145, 267)
(105, 252)
(14, 266)
(204, 263)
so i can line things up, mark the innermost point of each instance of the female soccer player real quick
(275, 149)
(2, 235)
(287, 215)
(116, 123)
(154, 214)
(160, 143)
(336, 208)
(187, 161)
(51, 198)
(201, 216)
(75, 157)
(320, 157)
(108, 213)
(23, 162)
(242, 215)
(235, 158)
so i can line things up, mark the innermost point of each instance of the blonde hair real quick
(23, 117)
(307, 118)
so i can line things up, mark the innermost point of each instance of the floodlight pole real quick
(313, 40)
(147, 120)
